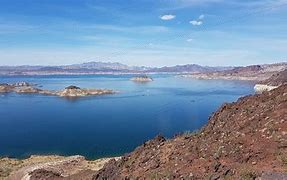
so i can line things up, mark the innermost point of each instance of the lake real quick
(108, 125)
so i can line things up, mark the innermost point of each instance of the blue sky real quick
(143, 32)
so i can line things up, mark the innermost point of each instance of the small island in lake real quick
(74, 91)
(142, 79)
(70, 91)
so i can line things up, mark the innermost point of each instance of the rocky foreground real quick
(71, 91)
(49, 167)
(242, 140)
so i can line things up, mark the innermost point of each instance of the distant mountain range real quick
(103, 68)
(107, 68)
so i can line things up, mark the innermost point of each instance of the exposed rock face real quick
(78, 92)
(5, 88)
(70, 91)
(242, 140)
(142, 79)
(28, 90)
(20, 86)
(72, 87)
(276, 79)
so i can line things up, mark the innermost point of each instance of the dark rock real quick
(72, 87)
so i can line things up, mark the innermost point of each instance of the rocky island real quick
(70, 91)
(74, 91)
(142, 79)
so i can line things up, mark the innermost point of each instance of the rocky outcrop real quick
(30, 90)
(71, 91)
(5, 88)
(276, 79)
(49, 167)
(142, 79)
(242, 140)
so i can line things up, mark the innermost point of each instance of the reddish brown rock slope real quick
(242, 140)
(276, 79)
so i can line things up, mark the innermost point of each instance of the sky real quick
(143, 32)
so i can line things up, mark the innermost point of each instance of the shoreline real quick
(18, 168)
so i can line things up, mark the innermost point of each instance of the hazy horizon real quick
(143, 32)
(141, 65)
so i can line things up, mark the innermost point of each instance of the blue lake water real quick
(107, 125)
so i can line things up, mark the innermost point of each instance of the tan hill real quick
(242, 140)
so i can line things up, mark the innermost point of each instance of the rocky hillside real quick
(242, 140)
(48, 167)
(276, 79)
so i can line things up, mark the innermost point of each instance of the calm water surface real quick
(107, 125)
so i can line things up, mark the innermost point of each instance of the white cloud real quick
(201, 17)
(195, 22)
(199, 20)
(167, 17)
(189, 40)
